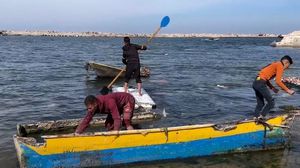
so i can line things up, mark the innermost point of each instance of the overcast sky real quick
(143, 16)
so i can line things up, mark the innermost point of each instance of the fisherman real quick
(114, 105)
(261, 82)
(132, 61)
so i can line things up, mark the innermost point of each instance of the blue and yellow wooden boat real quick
(119, 147)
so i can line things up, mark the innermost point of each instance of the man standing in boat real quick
(114, 105)
(132, 61)
(273, 70)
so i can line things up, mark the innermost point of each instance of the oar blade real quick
(165, 21)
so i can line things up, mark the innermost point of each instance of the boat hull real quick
(107, 71)
(111, 148)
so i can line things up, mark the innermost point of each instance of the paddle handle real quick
(113, 81)
(153, 35)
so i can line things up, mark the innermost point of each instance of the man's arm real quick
(113, 108)
(142, 47)
(124, 59)
(84, 123)
(279, 73)
(269, 84)
(125, 52)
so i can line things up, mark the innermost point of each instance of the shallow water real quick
(194, 80)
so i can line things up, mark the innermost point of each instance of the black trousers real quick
(262, 92)
(133, 70)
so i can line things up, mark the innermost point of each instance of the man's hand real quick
(143, 47)
(124, 61)
(275, 90)
(290, 91)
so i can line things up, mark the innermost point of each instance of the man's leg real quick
(260, 103)
(128, 113)
(126, 87)
(259, 97)
(139, 86)
(270, 101)
(127, 76)
(109, 122)
(137, 76)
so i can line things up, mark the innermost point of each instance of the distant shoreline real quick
(103, 34)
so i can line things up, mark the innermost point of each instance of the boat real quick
(292, 80)
(141, 145)
(212, 39)
(139, 116)
(289, 40)
(108, 71)
(144, 101)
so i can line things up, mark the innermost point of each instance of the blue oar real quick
(163, 23)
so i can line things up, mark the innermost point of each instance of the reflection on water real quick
(251, 159)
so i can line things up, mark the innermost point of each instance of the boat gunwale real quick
(99, 64)
(153, 130)
(55, 125)
(99, 67)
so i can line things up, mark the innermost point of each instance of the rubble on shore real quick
(104, 34)
(289, 40)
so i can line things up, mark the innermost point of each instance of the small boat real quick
(212, 39)
(140, 145)
(289, 40)
(140, 116)
(108, 71)
(292, 80)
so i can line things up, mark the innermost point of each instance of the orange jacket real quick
(275, 69)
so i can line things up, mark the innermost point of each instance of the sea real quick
(193, 81)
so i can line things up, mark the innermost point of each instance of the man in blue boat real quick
(114, 105)
(273, 70)
(132, 61)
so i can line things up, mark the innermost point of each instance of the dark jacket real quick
(130, 53)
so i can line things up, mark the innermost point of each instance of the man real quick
(261, 82)
(132, 61)
(114, 105)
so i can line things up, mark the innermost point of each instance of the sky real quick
(143, 16)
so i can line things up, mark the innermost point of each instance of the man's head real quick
(126, 40)
(91, 103)
(287, 61)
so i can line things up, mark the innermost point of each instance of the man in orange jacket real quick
(262, 80)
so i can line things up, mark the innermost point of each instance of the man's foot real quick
(260, 119)
(129, 128)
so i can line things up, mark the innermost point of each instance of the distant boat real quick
(212, 39)
(289, 40)
(109, 71)
(140, 145)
